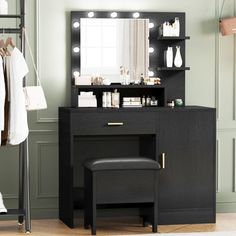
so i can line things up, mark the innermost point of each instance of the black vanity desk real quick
(186, 135)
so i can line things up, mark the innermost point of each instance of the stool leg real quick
(155, 216)
(94, 205)
(88, 182)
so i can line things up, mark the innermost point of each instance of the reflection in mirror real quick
(108, 44)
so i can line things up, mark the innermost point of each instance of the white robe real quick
(18, 124)
(2, 97)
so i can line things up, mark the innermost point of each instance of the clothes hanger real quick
(2, 45)
(10, 42)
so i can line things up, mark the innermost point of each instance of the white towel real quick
(3, 209)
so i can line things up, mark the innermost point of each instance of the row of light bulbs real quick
(77, 73)
(76, 50)
(76, 25)
(113, 15)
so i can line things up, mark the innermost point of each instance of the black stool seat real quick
(122, 163)
(121, 180)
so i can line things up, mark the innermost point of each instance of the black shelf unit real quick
(173, 79)
(118, 86)
(173, 68)
(173, 38)
(23, 211)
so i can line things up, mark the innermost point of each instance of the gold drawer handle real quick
(115, 123)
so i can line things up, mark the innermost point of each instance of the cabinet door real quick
(187, 184)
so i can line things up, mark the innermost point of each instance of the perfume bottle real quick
(115, 100)
(104, 99)
(143, 101)
(127, 77)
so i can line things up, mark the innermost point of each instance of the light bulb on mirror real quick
(91, 14)
(113, 14)
(136, 15)
(150, 73)
(76, 74)
(151, 25)
(76, 25)
(151, 50)
(76, 49)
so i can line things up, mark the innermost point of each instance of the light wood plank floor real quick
(115, 226)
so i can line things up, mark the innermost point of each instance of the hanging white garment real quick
(2, 97)
(18, 124)
(2, 207)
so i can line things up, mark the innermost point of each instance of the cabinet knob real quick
(115, 123)
(163, 160)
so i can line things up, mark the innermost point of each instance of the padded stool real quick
(118, 181)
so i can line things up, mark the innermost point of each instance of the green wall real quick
(210, 82)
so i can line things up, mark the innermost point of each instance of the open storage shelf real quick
(173, 38)
(14, 212)
(157, 91)
(173, 68)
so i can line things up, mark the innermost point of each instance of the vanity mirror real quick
(110, 47)
(102, 42)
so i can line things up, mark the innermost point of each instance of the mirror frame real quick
(155, 59)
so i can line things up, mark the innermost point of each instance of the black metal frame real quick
(23, 210)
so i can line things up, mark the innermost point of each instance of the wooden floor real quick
(115, 226)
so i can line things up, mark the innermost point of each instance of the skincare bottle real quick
(122, 75)
(169, 57)
(115, 99)
(108, 98)
(176, 27)
(142, 79)
(166, 29)
(143, 101)
(127, 77)
(3, 7)
(104, 99)
(148, 101)
(154, 101)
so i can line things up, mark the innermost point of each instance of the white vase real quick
(178, 59)
(169, 57)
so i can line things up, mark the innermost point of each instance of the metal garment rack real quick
(23, 211)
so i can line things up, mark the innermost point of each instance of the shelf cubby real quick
(157, 91)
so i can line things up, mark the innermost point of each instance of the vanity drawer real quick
(113, 123)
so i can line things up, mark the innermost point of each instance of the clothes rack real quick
(23, 211)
